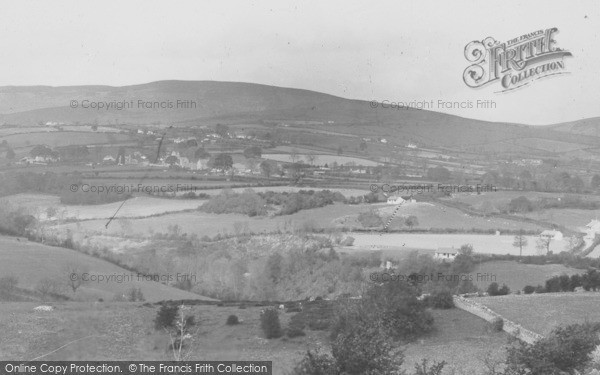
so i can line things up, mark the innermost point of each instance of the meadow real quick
(484, 244)
(124, 331)
(517, 275)
(540, 313)
(32, 262)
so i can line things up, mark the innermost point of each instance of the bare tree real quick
(543, 243)
(75, 275)
(294, 154)
(520, 241)
(181, 334)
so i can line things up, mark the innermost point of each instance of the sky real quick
(393, 51)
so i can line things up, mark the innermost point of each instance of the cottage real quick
(446, 253)
(395, 200)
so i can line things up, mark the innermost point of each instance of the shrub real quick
(269, 322)
(232, 320)
(370, 219)
(316, 364)
(528, 289)
(294, 331)
(492, 289)
(497, 324)
(319, 324)
(564, 350)
(165, 318)
(424, 369)
(505, 290)
(441, 300)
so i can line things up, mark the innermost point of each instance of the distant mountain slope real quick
(232, 102)
(588, 126)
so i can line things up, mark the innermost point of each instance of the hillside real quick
(244, 103)
(31, 263)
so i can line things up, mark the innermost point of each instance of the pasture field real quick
(64, 138)
(140, 206)
(574, 219)
(202, 223)
(432, 216)
(517, 275)
(322, 159)
(502, 197)
(31, 262)
(25, 129)
(484, 244)
(124, 331)
(540, 313)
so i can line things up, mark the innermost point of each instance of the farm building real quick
(552, 234)
(446, 253)
(400, 200)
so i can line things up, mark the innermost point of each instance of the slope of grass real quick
(31, 262)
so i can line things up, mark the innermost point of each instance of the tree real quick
(293, 155)
(75, 274)
(520, 241)
(492, 289)
(266, 169)
(340, 150)
(543, 243)
(223, 162)
(520, 204)
(10, 154)
(311, 158)
(362, 146)
(253, 152)
(595, 183)
(411, 221)
(222, 130)
(201, 153)
(41, 150)
(172, 160)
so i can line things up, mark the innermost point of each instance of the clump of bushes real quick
(232, 320)
(370, 219)
(528, 289)
(441, 299)
(269, 322)
(294, 330)
(494, 290)
(497, 324)
(165, 317)
(247, 203)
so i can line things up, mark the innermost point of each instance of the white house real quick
(395, 200)
(445, 253)
(108, 159)
(552, 234)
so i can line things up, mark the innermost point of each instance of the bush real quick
(294, 331)
(316, 364)
(269, 322)
(440, 300)
(497, 324)
(165, 318)
(528, 289)
(232, 320)
(370, 219)
(492, 289)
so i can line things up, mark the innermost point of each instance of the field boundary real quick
(487, 314)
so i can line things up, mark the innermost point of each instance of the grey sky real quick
(385, 50)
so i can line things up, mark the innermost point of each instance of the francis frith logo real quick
(515, 63)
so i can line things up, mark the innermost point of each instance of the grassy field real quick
(518, 275)
(31, 262)
(542, 312)
(437, 216)
(569, 217)
(482, 243)
(56, 139)
(124, 331)
(134, 207)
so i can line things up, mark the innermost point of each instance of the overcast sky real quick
(385, 50)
